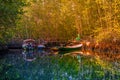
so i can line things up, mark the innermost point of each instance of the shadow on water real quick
(41, 65)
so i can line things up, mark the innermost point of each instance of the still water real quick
(46, 65)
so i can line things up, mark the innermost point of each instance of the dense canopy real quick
(60, 19)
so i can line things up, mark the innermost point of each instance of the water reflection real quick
(29, 55)
(42, 52)
(78, 65)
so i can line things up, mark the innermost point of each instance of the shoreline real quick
(87, 45)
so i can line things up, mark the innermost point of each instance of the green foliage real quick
(50, 19)
(60, 19)
(10, 11)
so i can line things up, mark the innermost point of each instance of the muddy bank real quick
(101, 47)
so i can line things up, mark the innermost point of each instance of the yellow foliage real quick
(108, 35)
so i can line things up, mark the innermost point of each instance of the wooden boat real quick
(54, 49)
(41, 46)
(71, 48)
(29, 44)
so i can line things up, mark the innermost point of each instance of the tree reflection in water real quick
(29, 55)
(32, 65)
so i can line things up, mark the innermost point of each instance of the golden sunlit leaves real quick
(59, 19)
(100, 1)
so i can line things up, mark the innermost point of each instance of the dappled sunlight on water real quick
(46, 65)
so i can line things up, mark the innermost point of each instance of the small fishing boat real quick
(71, 48)
(29, 44)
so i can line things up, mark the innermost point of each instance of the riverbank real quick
(87, 45)
(101, 47)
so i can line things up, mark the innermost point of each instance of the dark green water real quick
(37, 65)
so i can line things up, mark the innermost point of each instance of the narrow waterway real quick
(46, 65)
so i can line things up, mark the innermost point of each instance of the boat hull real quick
(40, 47)
(63, 50)
(28, 44)
(68, 49)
